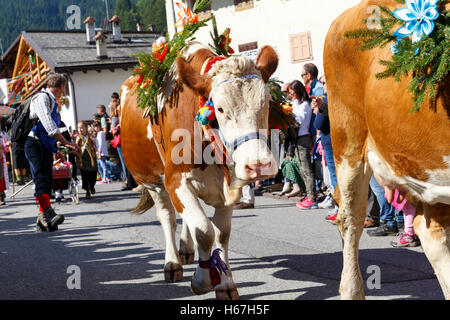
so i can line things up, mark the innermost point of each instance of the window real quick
(300, 47)
(240, 5)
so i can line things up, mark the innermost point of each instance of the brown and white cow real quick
(372, 130)
(238, 89)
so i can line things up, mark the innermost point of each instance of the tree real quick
(152, 12)
(125, 10)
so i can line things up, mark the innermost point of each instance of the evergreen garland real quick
(426, 60)
(153, 67)
(280, 115)
(221, 43)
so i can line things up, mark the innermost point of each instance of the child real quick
(408, 238)
(102, 152)
(87, 162)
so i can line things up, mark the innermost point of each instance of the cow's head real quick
(237, 87)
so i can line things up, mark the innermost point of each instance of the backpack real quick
(21, 123)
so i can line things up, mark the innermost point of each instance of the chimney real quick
(139, 27)
(100, 41)
(117, 36)
(90, 29)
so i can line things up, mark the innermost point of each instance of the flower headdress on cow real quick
(153, 67)
(421, 35)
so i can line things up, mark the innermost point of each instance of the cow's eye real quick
(220, 110)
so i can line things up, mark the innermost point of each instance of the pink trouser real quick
(409, 211)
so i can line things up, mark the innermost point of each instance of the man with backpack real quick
(41, 144)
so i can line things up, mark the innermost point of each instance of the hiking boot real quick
(406, 240)
(49, 220)
(41, 228)
(369, 223)
(383, 230)
(243, 205)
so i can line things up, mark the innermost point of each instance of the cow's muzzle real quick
(259, 170)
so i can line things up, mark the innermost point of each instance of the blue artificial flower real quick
(419, 16)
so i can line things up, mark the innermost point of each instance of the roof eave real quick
(39, 50)
(101, 66)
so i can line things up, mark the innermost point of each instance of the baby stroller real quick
(62, 179)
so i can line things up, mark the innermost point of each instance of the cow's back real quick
(413, 144)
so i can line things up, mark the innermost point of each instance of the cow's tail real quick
(145, 202)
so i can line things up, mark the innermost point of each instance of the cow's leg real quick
(433, 229)
(201, 229)
(222, 226)
(353, 181)
(187, 252)
(173, 270)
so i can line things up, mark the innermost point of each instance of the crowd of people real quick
(307, 162)
(93, 150)
(308, 169)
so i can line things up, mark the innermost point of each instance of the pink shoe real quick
(102, 182)
(307, 203)
(406, 240)
(306, 200)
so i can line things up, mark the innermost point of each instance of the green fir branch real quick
(427, 60)
(201, 5)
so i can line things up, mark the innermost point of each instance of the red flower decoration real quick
(161, 56)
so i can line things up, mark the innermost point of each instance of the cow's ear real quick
(200, 84)
(267, 62)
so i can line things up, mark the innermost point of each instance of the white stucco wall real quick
(271, 22)
(91, 89)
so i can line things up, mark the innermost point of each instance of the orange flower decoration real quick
(287, 108)
(146, 84)
(161, 56)
(226, 37)
(156, 47)
(193, 19)
(185, 16)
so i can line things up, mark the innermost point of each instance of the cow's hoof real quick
(227, 292)
(186, 257)
(201, 282)
(173, 272)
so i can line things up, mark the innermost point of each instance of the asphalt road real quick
(276, 252)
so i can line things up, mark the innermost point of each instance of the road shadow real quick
(398, 269)
(34, 265)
